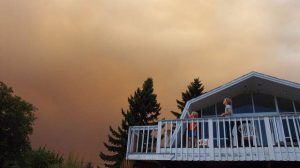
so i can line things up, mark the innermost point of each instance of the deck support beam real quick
(269, 138)
(211, 139)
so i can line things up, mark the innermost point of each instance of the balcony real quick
(256, 138)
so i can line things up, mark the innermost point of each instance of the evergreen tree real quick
(143, 109)
(195, 89)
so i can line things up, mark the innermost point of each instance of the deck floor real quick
(221, 154)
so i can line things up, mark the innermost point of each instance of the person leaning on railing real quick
(192, 131)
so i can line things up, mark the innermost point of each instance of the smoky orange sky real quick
(77, 61)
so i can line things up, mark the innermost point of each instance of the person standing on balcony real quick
(228, 112)
(192, 131)
(228, 107)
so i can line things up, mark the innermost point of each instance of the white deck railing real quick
(142, 139)
(228, 139)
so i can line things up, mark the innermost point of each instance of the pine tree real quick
(195, 89)
(143, 109)
(117, 140)
(147, 109)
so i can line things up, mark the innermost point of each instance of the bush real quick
(43, 158)
(73, 162)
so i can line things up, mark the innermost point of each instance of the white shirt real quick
(228, 108)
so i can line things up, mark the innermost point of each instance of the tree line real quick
(17, 117)
(143, 109)
(16, 120)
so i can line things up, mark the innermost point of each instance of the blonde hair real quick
(195, 114)
(228, 100)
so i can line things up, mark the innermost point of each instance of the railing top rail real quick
(235, 117)
(213, 118)
(144, 127)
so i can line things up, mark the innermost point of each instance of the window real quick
(264, 103)
(285, 105)
(209, 111)
(297, 105)
(242, 104)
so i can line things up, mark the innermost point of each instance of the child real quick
(192, 128)
(228, 107)
(228, 112)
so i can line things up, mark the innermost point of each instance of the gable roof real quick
(244, 78)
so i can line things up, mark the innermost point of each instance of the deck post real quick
(158, 137)
(211, 139)
(269, 138)
(128, 142)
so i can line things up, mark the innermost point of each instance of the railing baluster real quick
(249, 139)
(289, 131)
(203, 137)
(254, 137)
(225, 138)
(296, 131)
(290, 135)
(142, 146)
(165, 136)
(181, 139)
(242, 138)
(192, 138)
(211, 139)
(176, 142)
(261, 139)
(152, 139)
(197, 142)
(298, 125)
(277, 139)
(170, 137)
(158, 137)
(147, 140)
(297, 134)
(284, 139)
(230, 137)
(219, 138)
(131, 143)
(236, 138)
(138, 138)
(187, 140)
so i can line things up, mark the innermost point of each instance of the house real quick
(265, 126)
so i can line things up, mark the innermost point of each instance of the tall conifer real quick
(143, 110)
(195, 89)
